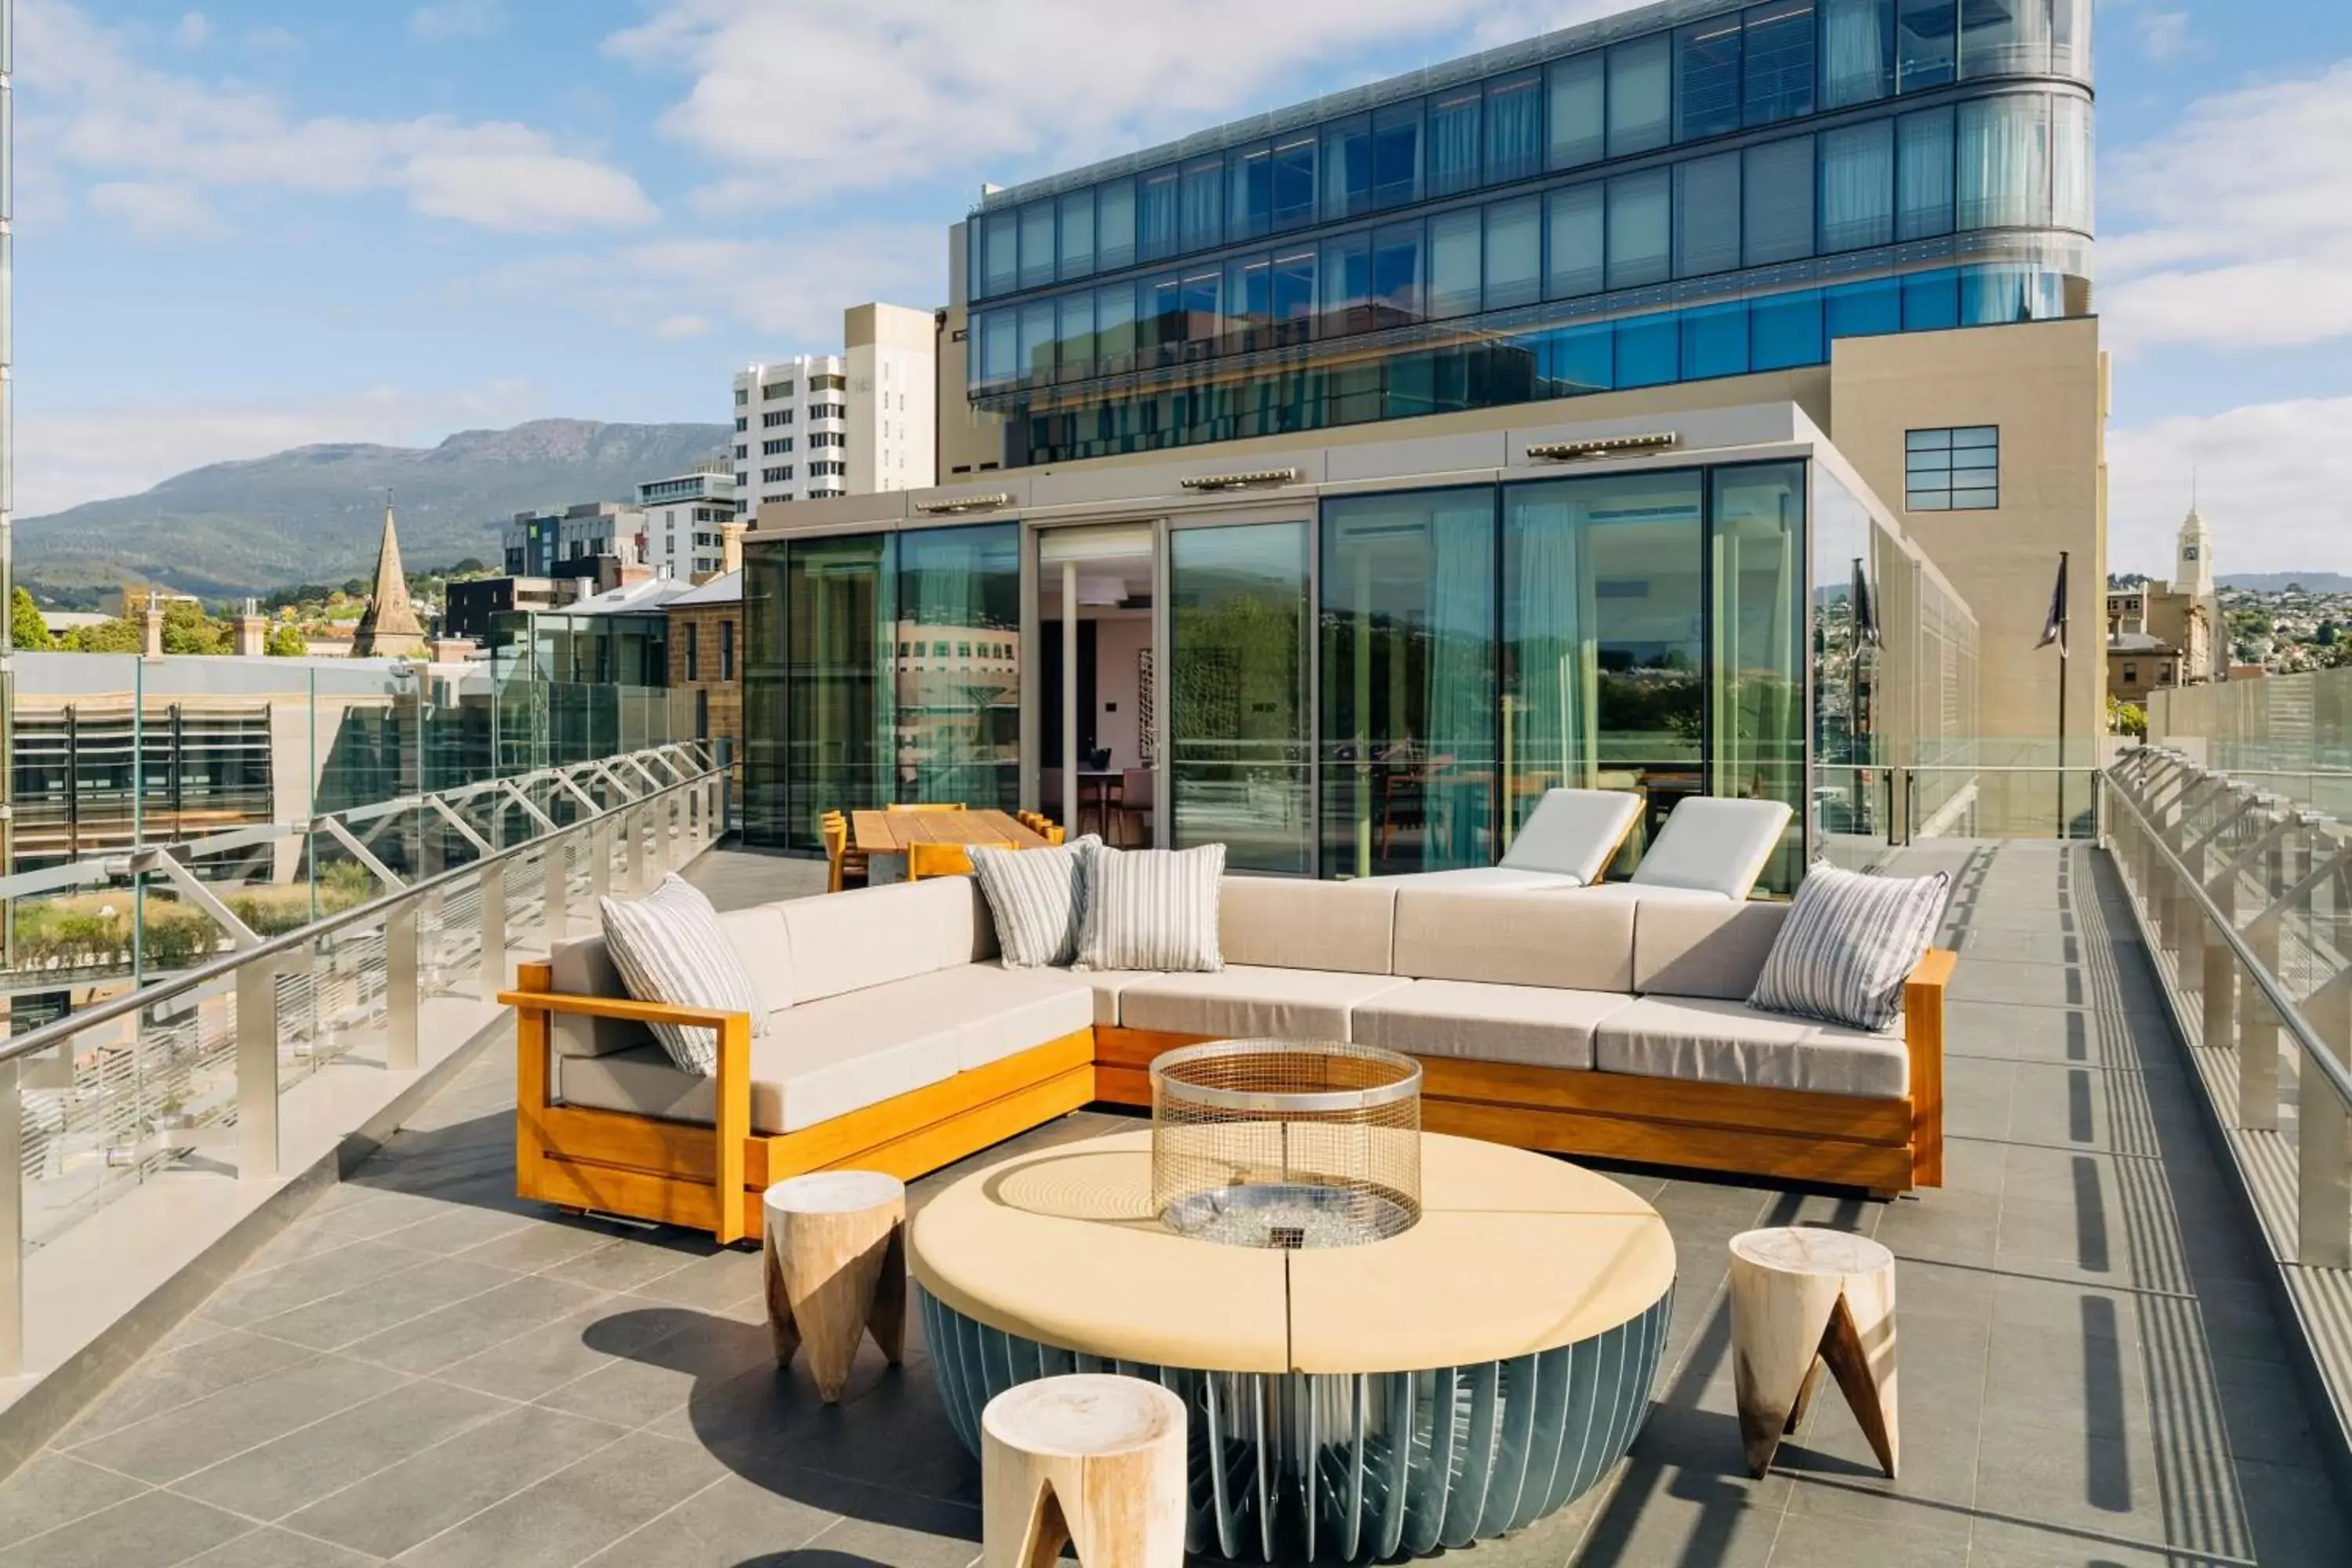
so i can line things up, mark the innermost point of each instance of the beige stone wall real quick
(2044, 385)
(726, 698)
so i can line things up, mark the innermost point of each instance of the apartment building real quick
(574, 542)
(684, 515)
(817, 426)
(1696, 400)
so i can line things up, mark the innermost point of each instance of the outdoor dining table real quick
(892, 832)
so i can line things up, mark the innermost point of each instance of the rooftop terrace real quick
(420, 1368)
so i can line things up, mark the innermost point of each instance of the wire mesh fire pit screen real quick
(1281, 1144)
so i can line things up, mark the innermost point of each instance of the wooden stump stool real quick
(836, 1265)
(1802, 1296)
(1088, 1461)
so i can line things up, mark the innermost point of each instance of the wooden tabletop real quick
(890, 832)
(1515, 1253)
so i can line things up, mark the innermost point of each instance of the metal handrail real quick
(37, 1040)
(2286, 1008)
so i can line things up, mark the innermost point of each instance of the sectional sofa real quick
(1607, 1027)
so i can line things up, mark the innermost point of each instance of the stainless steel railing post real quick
(494, 928)
(256, 1069)
(555, 907)
(599, 858)
(402, 987)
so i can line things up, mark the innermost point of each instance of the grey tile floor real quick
(422, 1369)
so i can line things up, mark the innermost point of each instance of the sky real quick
(264, 223)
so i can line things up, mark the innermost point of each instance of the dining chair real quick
(842, 862)
(926, 860)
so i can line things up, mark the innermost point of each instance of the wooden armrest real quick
(1933, 973)
(733, 1091)
(1922, 1039)
(619, 1007)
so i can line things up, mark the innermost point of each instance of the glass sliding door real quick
(1603, 641)
(957, 649)
(837, 688)
(766, 816)
(1758, 681)
(1849, 554)
(1408, 682)
(1240, 769)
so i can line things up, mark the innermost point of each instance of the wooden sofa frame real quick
(680, 1173)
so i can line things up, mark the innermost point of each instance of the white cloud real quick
(2238, 222)
(2158, 26)
(156, 212)
(893, 91)
(681, 327)
(2271, 479)
(72, 456)
(91, 110)
(193, 30)
(456, 20)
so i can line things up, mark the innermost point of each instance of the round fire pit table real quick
(1457, 1380)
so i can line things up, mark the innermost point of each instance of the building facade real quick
(578, 542)
(706, 659)
(2162, 635)
(817, 426)
(1729, 252)
(893, 398)
(684, 516)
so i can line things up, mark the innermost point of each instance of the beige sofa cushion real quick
(1532, 1025)
(583, 968)
(870, 936)
(1515, 939)
(1245, 1000)
(1706, 1040)
(1105, 985)
(1287, 922)
(1709, 949)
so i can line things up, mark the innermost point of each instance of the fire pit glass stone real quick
(1279, 1143)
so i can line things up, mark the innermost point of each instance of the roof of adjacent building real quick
(2137, 642)
(727, 588)
(653, 593)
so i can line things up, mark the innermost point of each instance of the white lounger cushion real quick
(1475, 879)
(1244, 1000)
(1573, 832)
(1535, 1026)
(1705, 1040)
(1711, 844)
(823, 1059)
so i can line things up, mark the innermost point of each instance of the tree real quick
(286, 641)
(2127, 719)
(26, 630)
(116, 636)
(187, 629)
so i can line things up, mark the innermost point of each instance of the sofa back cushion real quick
(1563, 940)
(1283, 922)
(1685, 948)
(583, 968)
(870, 936)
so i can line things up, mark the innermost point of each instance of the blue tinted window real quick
(1640, 94)
(1205, 203)
(1161, 324)
(1857, 51)
(1858, 190)
(2004, 38)
(1000, 346)
(1076, 335)
(1249, 206)
(1779, 68)
(1926, 41)
(1347, 168)
(1706, 216)
(1514, 146)
(1249, 301)
(1203, 307)
(1778, 202)
(1347, 285)
(1396, 156)
(1077, 234)
(1001, 264)
(1996, 296)
(1649, 350)
(1293, 179)
(1158, 217)
(1115, 327)
(1640, 221)
(1294, 295)
(1397, 275)
(1037, 258)
(1707, 79)
(1864, 309)
(1115, 225)
(2004, 160)
(1581, 359)
(1924, 174)
(1037, 340)
(1574, 218)
(1714, 340)
(1931, 301)
(1454, 140)
(1785, 330)
(1514, 252)
(1579, 124)
(1455, 263)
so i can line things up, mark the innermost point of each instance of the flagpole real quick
(2065, 653)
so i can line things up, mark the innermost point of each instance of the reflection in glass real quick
(1115, 225)
(1602, 637)
(1293, 179)
(1641, 92)
(1158, 215)
(1514, 261)
(1408, 682)
(1779, 61)
(958, 648)
(1579, 131)
(1077, 234)
(1846, 793)
(1575, 219)
(1927, 43)
(1238, 669)
(1396, 156)
(1205, 203)
(838, 691)
(1347, 168)
(1707, 85)
(1778, 202)
(1037, 260)
(1641, 215)
(1706, 226)
(1250, 210)
(1454, 263)
(1759, 619)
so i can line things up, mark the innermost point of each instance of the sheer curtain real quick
(1550, 743)
(2004, 163)
(1856, 51)
(1454, 141)
(1459, 689)
(1857, 186)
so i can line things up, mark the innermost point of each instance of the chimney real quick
(252, 633)
(730, 545)
(150, 617)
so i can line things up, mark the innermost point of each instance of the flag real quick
(2054, 627)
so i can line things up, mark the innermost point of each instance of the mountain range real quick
(314, 514)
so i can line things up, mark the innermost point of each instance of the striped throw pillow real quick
(1038, 897)
(1848, 944)
(1153, 909)
(669, 947)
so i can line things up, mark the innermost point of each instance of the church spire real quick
(389, 629)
